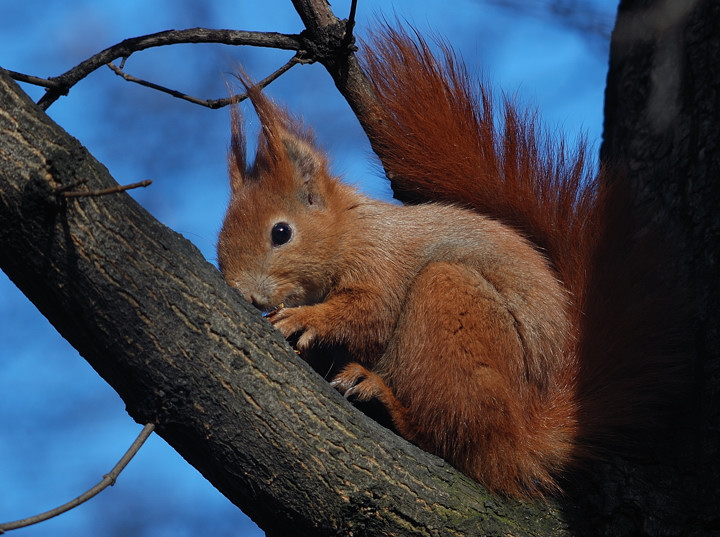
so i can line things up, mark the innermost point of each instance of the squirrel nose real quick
(258, 300)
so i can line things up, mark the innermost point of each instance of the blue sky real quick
(62, 427)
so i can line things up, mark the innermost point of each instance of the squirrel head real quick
(282, 230)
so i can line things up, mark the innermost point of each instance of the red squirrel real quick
(474, 316)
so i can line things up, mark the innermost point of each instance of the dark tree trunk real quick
(662, 126)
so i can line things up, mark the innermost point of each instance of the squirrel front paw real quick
(300, 321)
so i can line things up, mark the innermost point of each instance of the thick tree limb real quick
(329, 41)
(185, 352)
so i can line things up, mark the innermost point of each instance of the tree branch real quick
(34, 80)
(60, 85)
(65, 191)
(329, 41)
(184, 351)
(209, 103)
(108, 480)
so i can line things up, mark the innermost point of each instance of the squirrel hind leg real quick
(453, 365)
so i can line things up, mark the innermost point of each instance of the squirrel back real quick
(629, 310)
(504, 323)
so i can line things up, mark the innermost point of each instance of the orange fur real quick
(470, 316)
(629, 313)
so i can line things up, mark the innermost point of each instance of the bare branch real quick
(315, 14)
(35, 80)
(209, 103)
(350, 25)
(108, 480)
(104, 192)
(60, 85)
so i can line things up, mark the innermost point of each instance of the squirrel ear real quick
(283, 144)
(309, 166)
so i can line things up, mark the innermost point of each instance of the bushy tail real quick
(439, 140)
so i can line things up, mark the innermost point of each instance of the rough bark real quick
(183, 350)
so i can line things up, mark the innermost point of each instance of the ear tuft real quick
(237, 155)
(286, 159)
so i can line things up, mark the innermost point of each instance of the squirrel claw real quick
(290, 321)
(358, 383)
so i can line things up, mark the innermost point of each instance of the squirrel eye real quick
(281, 233)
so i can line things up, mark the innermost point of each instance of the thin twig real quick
(64, 188)
(210, 103)
(104, 192)
(350, 26)
(353, 10)
(35, 80)
(108, 480)
(60, 85)
(178, 94)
